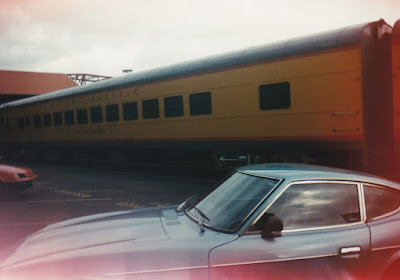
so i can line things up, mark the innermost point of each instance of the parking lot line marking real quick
(56, 200)
(77, 194)
(44, 188)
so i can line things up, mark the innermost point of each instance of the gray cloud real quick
(103, 37)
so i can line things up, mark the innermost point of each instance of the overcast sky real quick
(104, 37)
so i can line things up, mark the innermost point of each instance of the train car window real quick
(57, 118)
(150, 109)
(21, 122)
(69, 117)
(27, 121)
(173, 106)
(37, 121)
(130, 111)
(82, 116)
(96, 114)
(112, 113)
(46, 120)
(274, 96)
(7, 123)
(200, 103)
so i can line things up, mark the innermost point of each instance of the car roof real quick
(296, 172)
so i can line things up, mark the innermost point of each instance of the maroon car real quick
(13, 178)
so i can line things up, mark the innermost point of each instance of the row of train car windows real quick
(271, 97)
(199, 104)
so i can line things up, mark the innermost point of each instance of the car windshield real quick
(227, 206)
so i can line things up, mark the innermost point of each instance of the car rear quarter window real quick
(310, 205)
(380, 201)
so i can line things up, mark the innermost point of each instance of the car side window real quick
(380, 201)
(309, 205)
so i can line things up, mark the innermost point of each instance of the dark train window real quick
(150, 109)
(130, 111)
(7, 123)
(82, 116)
(112, 113)
(57, 118)
(37, 121)
(46, 120)
(96, 114)
(27, 121)
(200, 103)
(21, 122)
(173, 106)
(275, 96)
(69, 117)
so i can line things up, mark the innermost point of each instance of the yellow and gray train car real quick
(330, 98)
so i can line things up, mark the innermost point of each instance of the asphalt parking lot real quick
(65, 192)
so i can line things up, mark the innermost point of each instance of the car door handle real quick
(350, 252)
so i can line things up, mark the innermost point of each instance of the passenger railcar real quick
(330, 98)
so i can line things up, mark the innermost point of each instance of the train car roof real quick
(301, 45)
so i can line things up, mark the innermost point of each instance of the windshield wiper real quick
(200, 218)
(190, 203)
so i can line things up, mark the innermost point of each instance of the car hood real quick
(13, 169)
(113, 244)
(7, 173)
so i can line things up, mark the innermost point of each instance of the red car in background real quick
(15, 179)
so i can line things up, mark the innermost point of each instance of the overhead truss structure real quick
(82, 79)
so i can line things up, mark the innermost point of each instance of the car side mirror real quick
(273, 227)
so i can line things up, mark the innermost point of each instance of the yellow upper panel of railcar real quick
(325, 102)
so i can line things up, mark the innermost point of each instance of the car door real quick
(382, 206)
(324, 237)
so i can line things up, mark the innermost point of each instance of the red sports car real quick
(13, 178)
